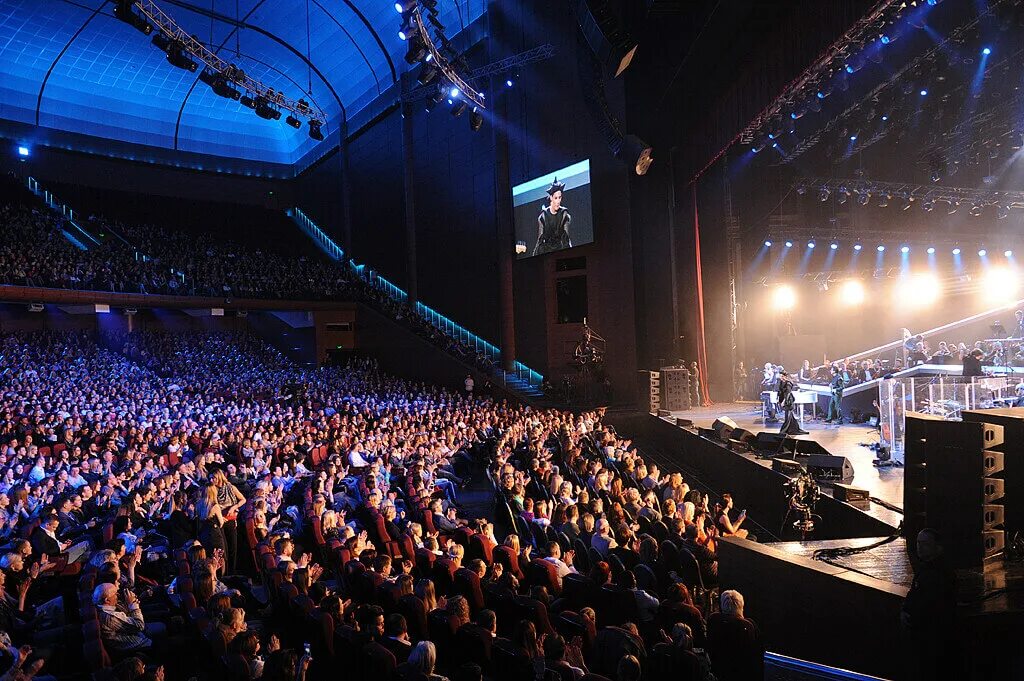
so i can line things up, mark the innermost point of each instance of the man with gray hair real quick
(734, 642)
(121, 631)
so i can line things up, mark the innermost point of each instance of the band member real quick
(1019, 316)
(769, 384)
(835, 412)
(696, 399)
(972, 363)
(787, 400)
(553, 222)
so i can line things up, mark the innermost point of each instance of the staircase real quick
(71, 230)
(522, 379)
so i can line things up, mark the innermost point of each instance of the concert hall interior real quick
(573, 340)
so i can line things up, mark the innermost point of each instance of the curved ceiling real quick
(71, 66)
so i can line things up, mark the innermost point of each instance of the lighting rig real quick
(186, 52)
(903, 195)
(440, 62)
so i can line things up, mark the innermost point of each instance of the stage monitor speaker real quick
(770, 441)
(664, 413)
(827, 466)
(724, 426)
(849, 493)
(684, 423)
(792, 445)
(613, 46)
(954, 483)
(675, 388)
(787, 467)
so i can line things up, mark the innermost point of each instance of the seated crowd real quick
(134, 258)
(194, 505)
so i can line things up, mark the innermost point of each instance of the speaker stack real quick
(1012, 421)
(608, 39)
(648, 391)
(675, 389)
(953, 483)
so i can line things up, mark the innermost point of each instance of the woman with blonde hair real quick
(210, 520)
(230, 500)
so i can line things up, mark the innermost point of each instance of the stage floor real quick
(848, 440)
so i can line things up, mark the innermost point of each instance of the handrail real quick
(449, 327)
(54, 204)
(814, 670)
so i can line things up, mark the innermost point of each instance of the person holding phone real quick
(728, 528)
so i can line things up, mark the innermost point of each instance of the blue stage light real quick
(23, 151)
(768, 243)
(789, 244)
(810, 244)
(924, 93)
(857, 247)
(853, 138)
(956, 251)
(850, 69)
(987, 51)
(508, 83)
(881, 248)
(931, 250)
(454, 93)
(884, 118)
(905, 249)
(1008, 254)
(885, 40)
(833, 245)
(983, 253)
(821, 95)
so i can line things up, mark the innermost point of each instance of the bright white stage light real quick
(851, 292)
(784, 297)
(1001, 284)
(919, 289)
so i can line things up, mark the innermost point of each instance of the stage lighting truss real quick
(829, 72)
(423, 47)
(928, 196)
(270, 102)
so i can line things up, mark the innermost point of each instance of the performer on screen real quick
(553, 222)
(835, 412)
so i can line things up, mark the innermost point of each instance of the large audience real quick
(179, 504)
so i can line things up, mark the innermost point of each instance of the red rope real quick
(702, 348)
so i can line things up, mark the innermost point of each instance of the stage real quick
(847, 440)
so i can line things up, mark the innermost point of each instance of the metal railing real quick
(446, 325)
(57, 206)
(782, 668)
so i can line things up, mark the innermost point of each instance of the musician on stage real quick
(769, 384)
(787, 400)
(1019, 333)
(835, 411)
(972, 363)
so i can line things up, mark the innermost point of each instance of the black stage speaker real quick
(724, 426)
(953, 483)
(770, 441)
(684, 423)
(792, 445)
(787, 467)
(849, 493)
(608, 40)
(827, 466)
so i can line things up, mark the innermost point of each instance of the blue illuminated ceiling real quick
(70, 66)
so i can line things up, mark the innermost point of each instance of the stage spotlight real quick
(810, 244)
(823, 194)
(863, 198)
(954, 206)
(454, 93)
(265, 110)
(924, 93)
(843, 196)
(417, 51)
(853, 138)
(23, 152)
(833, 245)
(476, 120)
(884, 200)
(1001, 284)
(768, 243)
(982, 253)
(905, 250)
(293, 121)
(1002, 212)
(784, 297)
(789, 244)
(931, 250)
(922, 288)
(403, 6)
(884, 118)
(928, 206)
(851, 292)
(315, 131)
(987, 51)
(123, 11)
(956, 251)
(408, 29)
(976, 210)
(248, 102)
(427, 74)
(1008, 253)
(857, 247)
(458, 109)
(509, 83)
(881, 248)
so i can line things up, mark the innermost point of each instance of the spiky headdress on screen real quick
(556, 186)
